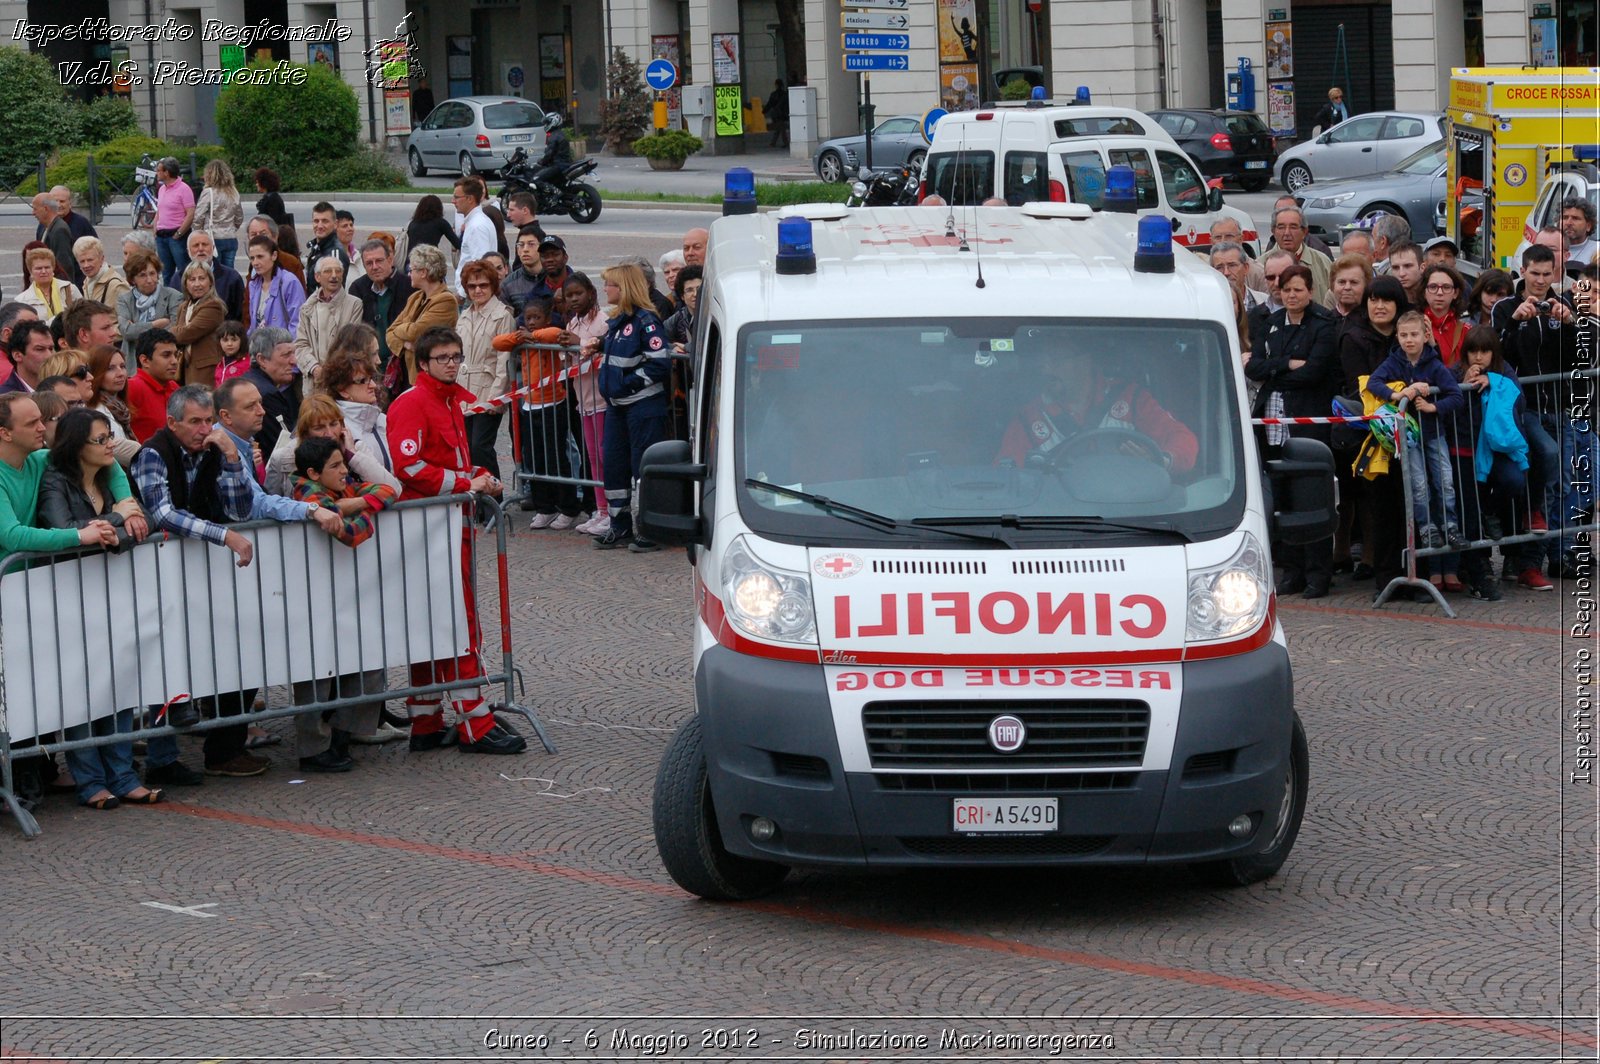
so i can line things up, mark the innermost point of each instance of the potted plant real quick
(668, 148)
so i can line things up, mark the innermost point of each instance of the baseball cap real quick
(553, 242)
(1440, 242)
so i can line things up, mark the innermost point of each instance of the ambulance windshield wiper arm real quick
(864, 517)
(1087, 521)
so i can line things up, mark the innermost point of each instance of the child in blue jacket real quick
(1416, 364)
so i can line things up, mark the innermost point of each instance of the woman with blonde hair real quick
(633, 380)
(199, 317)
(219, 211)
(431, 305)
(321, 415)
(74, 365)
(46, 293)
(102, 282)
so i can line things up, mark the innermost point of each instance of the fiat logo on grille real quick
(1006, 734)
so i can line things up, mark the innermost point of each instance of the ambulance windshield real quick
(1016, 422)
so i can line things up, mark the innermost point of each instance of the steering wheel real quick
(1109, 439)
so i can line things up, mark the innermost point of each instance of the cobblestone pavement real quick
(1439, 904)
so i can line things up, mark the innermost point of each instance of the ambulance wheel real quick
(1242, 871)
(686, 829)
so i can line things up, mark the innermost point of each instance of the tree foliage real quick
(625, 112)
(289, 127)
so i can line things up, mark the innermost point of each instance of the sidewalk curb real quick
(411, 197)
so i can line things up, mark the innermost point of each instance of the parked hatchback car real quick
(1413, 189)
(895, 142)
(476, 134)
(1366, 144)
(1228, 144)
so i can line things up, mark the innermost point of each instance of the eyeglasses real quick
(81, 373)
(1441, 288)
(450, 359)
(358, 381)
(1273, 277)
(477, 284)
(102, 439)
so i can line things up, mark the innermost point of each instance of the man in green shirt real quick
(22, 462)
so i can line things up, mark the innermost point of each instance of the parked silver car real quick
(476, 134)
(1366, 144)
(1413, 190)
(895, 142)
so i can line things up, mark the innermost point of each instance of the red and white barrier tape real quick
(1352, 420)
(486, 406)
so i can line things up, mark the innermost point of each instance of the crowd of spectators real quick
(1391, 322)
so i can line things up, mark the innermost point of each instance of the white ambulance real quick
(980, 546)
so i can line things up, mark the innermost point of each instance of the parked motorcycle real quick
(886, 188)
(143, 207)
(567, 194)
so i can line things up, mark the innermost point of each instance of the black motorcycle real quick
(567, 194)
(886, 188)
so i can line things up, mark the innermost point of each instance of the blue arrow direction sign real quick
(660, 75)
(877, 62)
(877, 42)
(867, 20)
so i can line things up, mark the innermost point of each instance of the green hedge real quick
(116, 160)
(364, 170)
(289, 127)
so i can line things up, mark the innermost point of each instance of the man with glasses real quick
(428, 438)
(1228, 259)
(1272, 267)
(1311, 240)
(1289, 233)
(383, 292)
(478, 236)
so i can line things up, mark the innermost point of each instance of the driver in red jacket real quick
(1076, 399)
(428, 439)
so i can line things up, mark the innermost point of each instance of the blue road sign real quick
(877, 42)
(930, 120)
(876, 62)
(660, 75)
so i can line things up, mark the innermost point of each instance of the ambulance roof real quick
(1058, 122)
(905, 262)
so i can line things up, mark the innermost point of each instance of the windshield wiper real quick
(861, 516)
(1086, 522)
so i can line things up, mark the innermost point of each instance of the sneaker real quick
(386, 733)
(1537, 523)
(1430, 537)
(613, 538)
(562, 523)
(172, 774)
(643, 546)
(542, 521)
(497, 740)
(1454, 538)
(243, 765)
(598, 525)
(1486, 592)
(1534, 580)
(1492, 527)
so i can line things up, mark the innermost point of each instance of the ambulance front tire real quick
(687, 836)
(1243, 871)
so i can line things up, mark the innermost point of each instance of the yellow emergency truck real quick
(1511, 131)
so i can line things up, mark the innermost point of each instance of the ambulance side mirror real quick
(1305, 497)
(1213, 199)
(667, 490)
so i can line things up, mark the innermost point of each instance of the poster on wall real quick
(458, 64)
(665, 46)
(553, 72)
(730, 110)
(1280, 108)
(324, 52)
(958, 86)
(958, 31)
(396, 112)
(1280, 50)
(724, 59)
(1542, 49)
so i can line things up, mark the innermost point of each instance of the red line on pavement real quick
(7, 1053)
(1236, 984)
(1386, 615)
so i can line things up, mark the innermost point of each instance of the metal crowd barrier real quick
(550, 441)
(87, 635)
(1565, 416)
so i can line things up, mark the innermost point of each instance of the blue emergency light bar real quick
(1154, 251)
(738, 191)
(1586, 153)
(1122, 194)
(795, 253)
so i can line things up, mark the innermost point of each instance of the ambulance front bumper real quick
(772, 753)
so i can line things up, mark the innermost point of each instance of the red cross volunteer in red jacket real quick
(428, 439)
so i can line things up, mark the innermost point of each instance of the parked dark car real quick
(1228, 144)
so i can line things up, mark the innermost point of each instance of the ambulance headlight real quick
(1230, 599)
(766, 602)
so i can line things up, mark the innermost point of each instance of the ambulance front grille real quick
(928, 568)
(1053, 566)
(1082, 733)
